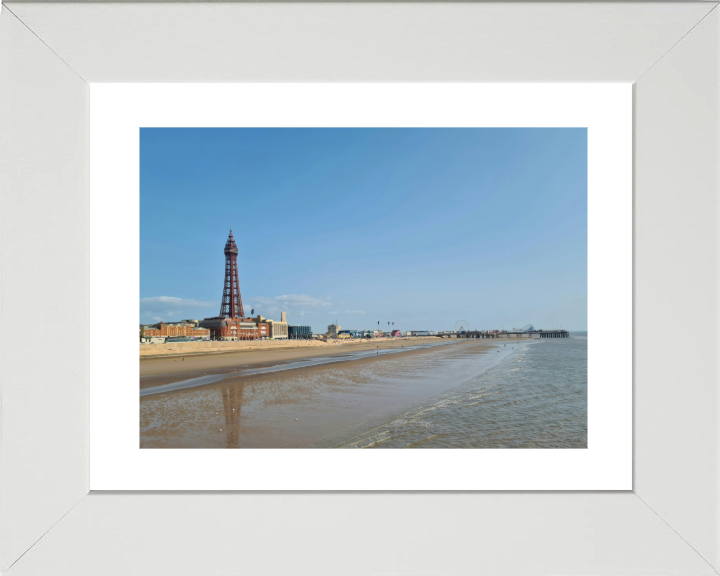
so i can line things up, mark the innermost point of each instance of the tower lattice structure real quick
(231, 306)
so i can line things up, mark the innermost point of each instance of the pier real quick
(553, 333)
(509, 334)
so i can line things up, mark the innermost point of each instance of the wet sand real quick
(262, 356)
(328, 400)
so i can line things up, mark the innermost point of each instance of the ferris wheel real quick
(462, 326)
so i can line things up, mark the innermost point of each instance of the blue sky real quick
(423, 227)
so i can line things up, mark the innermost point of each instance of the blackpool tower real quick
(231, 306)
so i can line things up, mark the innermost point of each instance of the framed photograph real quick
(516, 156)
(485, 272)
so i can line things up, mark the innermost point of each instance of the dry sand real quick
(194, 348)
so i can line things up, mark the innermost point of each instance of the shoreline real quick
(255, 365)
(306, 404)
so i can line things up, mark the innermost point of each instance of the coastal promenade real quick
(312, 347)
(148, 351)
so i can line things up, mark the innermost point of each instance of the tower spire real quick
(231, 306)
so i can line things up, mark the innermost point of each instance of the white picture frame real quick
(118, 112)
(49, 523)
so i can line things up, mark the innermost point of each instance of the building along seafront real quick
(174, 329)
(271, 328)
(231, 328)
(299, 332)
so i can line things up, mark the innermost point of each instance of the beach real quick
(191, 360)
(161, 369)
(327, 390)
(368, 394)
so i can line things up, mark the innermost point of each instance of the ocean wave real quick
(428, 439)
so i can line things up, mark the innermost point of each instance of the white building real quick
(279, 330)
(276, 330)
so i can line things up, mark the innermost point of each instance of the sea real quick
(533, 396)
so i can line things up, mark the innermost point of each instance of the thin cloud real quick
(355, 312)
(292, 301)
(168, 308)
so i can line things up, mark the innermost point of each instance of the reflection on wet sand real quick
(232, 398)
(521, 396)
(313, 406)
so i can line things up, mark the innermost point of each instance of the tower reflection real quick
(232, 398)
